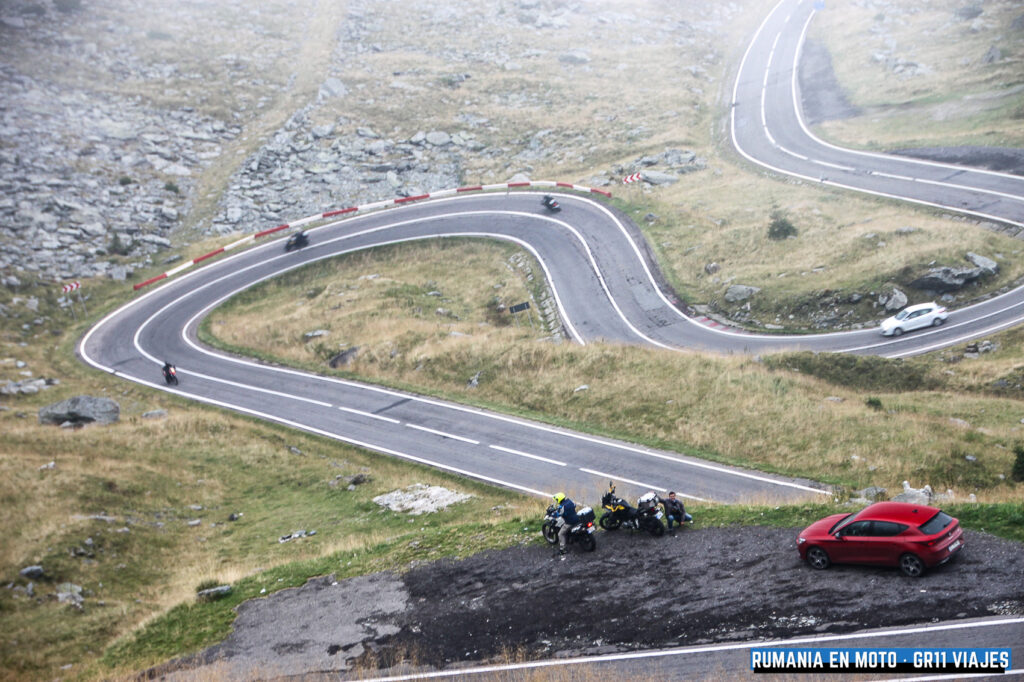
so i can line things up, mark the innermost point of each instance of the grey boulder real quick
(739, 292)
(81, 409)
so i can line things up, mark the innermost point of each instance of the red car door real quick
(888, 543)
(854, 545)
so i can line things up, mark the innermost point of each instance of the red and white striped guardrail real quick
(368, 207)
(71, 287)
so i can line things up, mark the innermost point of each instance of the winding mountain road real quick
(606, 286)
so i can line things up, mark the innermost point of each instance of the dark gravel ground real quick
(635, 592)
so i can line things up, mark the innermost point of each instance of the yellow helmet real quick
(559, 497)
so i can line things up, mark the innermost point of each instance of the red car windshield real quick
(842, 522)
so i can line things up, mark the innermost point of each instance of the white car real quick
(914, 317)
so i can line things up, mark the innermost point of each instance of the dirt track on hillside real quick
(635, 592)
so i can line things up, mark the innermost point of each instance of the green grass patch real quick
(859, 372)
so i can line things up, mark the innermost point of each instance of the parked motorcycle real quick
(649, 514)
(170, 374)
(550, 204)
(620, 514)
(582, 532)
(296, 241)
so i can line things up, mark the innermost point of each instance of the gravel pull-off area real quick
(634, 592)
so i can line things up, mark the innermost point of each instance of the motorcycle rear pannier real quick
(586, 515)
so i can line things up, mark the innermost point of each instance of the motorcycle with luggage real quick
(619, 513)
(582, 533)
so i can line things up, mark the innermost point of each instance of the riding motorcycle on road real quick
(296, 241)
(170, 374)
(620, 514)
(582, 532)
(550, 204)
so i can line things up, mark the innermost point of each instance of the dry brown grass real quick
(845, 243)
(733, 408)
(145, 475)
(413, 314)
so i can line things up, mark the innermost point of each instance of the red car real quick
(911, 536)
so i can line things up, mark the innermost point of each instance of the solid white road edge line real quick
(326, 434)
(956, 676)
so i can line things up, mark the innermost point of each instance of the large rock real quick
(82, 409)
(873, 493)
(947, 279)
(993, 55)
(34, 572)
(739, 292)
(989, 266)
(968, 12)
(895, 300)
(332, 87)
(438, 138)
(574, 57)
(343, 358)
(914, 495)
(654, 177)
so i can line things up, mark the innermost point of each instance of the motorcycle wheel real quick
(550, 533)
(656, 528)
(609, 522)
(588, 542)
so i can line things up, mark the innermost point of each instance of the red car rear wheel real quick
(911, 565)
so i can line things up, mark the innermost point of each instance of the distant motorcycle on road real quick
(170, 374)
(296, 241)
(582, 533)
(550, 204)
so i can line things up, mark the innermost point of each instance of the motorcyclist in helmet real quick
(567, 512)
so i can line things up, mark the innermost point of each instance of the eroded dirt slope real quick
(634, 592)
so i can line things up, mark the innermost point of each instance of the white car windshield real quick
(901, 315)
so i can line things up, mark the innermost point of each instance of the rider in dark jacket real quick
(566, 510)
(675, 511)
